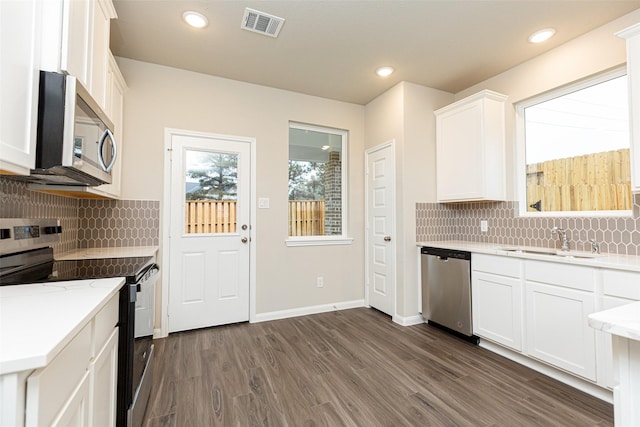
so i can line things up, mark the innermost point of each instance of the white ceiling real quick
(330, 48)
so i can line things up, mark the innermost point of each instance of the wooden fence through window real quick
(210, 216)
(599, 181)
(306, 217)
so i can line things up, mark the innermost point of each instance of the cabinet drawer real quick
(495, 264)
(50, 387)
(104, 322)
(560, 274)
(623, 284)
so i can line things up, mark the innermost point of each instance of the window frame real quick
(521, 174)
(343, 238)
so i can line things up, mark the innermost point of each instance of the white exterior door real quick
(380, 227)
(209, 231)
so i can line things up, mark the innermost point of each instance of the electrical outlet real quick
(484, 226)
(320, 282)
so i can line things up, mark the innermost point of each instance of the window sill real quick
(318, 241)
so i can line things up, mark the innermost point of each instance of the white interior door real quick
(381, 253)
(209, 231)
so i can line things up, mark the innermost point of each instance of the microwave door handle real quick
(107, 134)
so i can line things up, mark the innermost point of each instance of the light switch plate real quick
(263, 203)
(484, 226)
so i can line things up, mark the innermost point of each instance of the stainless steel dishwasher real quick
(446, 290)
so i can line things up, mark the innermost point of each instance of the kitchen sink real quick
(552, 252)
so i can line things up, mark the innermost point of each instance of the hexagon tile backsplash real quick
(115, 223)
(86, 223)
(436, 221)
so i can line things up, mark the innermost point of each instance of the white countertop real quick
(612, 261)
(623, 321)
(38, 320)
(119, 252)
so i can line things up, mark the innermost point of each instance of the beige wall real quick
(162, 97)
(596, 51)
(405, 114)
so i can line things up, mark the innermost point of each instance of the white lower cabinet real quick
(78, 388)
(557, 329)
(539, 309)
(497, 300)
(559, 297)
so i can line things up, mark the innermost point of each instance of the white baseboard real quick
(409, 320)
(569, 379)
(303, 311)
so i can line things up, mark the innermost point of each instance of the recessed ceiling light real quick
(195, 19)
(384, 71)
(542, 35)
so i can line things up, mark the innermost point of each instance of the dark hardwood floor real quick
(351, 368)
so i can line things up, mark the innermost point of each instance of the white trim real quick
(569, 379)
(409, 320)
(521, 180)
(165, 218)
(318, 241)
(305, 311)
(389, 144)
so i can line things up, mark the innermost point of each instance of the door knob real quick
(387, 238)
(244, 240)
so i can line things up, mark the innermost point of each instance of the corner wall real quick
(163, 97)
(405, 114)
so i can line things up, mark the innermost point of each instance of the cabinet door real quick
(459, 153)
(75, 413)
(557, 328)
(75, 59)
(20, 25)
(103, 373)
(497, 309)
(50, 389)
(100, 53)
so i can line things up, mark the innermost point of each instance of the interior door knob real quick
(387, 238)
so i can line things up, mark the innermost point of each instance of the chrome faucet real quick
(562, 235)
(595, 247)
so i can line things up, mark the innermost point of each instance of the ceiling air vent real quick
(260, 22)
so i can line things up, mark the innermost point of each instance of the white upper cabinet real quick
(632, 35)
(20, 25)
(76, 41)
(470, 145)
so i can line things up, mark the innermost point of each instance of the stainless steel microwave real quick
(75, 142)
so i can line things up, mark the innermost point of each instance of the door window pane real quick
(211, 192)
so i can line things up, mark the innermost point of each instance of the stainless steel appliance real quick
(446, 290)
(75, 142)
(26, 257)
